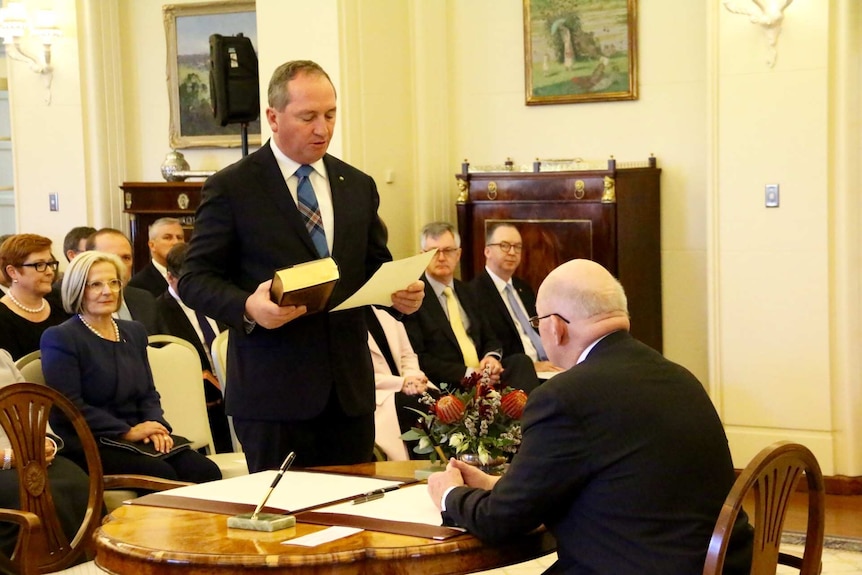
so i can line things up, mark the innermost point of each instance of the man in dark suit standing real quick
(138, 304)
(623, 456)
(164, 234)
(297, 383)
(508, 301)
(449, 333)
(183, 322)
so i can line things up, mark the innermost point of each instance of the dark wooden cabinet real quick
(146, 202)
(610, 216)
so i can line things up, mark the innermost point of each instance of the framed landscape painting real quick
(580, 51)
(188, 28)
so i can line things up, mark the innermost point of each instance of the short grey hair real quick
(154, 227)
(75, 278)
(276, 94)
(436, 229)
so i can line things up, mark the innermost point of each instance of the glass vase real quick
(495, 466)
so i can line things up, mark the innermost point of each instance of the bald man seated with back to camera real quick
(623, 459)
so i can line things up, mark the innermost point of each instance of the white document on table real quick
(297, 489)
(321, 537)
(390, 278)
(410, 504)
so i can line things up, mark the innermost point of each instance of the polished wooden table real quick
(153, 541)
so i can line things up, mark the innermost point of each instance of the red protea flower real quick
(513, 402)
(449, 409)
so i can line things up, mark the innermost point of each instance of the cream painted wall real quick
(49, 152)
(490, 122)
(773, 348)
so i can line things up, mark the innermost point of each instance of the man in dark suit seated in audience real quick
(138, 304)
(623, 457)
(449, 333)
(164, 234)
(183, 322)
(508, 301)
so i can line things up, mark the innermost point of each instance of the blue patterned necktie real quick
(525, 323)
(310, 211)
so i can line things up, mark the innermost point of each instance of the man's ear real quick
(559, 331)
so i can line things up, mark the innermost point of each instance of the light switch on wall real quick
(54, 202)
(772, 195)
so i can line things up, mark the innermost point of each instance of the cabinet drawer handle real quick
(492, 190)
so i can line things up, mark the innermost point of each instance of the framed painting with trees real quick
(580, 51)
(188, 28)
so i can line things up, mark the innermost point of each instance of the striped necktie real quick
(525, 323)
(310, 211)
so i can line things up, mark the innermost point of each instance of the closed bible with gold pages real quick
(309, 284)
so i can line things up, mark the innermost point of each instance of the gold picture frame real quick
(187, 28)
(580, 51)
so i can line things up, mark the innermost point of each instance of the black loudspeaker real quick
(234, 84)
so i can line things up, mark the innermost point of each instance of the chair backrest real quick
(30, 367)
(772, 476)
(219, 355)
(178, 377)
(24, 409)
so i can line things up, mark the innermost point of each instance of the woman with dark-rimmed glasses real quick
(27, 263)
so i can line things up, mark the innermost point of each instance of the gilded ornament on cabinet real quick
(580, 188)
(610, 195)
(492, 190)
(462, 191)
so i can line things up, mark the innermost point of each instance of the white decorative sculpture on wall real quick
(768, 14)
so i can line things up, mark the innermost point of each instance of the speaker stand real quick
(244, 134)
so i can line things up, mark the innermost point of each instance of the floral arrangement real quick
(475, 417)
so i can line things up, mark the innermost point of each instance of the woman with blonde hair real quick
(100, 364)
(27, 264)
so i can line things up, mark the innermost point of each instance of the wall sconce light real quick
(768, 14)
(15, 26)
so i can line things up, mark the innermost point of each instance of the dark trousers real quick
(519, 372)
(185, 465)
(331, 438)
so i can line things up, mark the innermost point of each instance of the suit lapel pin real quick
(340, 178)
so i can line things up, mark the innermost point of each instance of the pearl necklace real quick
(94, 330)
(24, 307)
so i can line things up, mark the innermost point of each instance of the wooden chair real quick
(42, 545)
(772, 476)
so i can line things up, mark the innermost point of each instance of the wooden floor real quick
(843, 515)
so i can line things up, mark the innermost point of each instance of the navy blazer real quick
(495, 311)
(434, 341)
(109, 382)
(246, 228)
(150, 279)
(624, 459)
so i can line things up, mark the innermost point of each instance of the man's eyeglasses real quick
(506, 247)
(534, 321)
(445, 252)
(42, 266)
(98, 287)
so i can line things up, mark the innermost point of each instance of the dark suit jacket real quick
(109, 382)
(246, 228)
(434, 341)
(624, 459)
(494, 309)
(142, 306)
(176, 323)
(150, 279)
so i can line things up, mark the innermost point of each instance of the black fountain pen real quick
(374, 494)
(284, 467)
